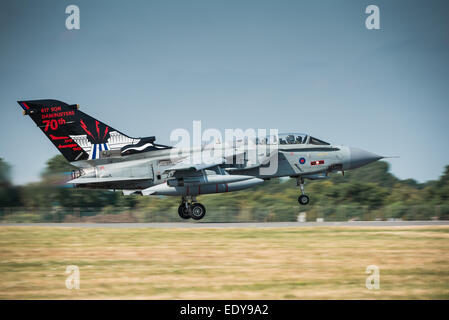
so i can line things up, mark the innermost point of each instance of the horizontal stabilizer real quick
(149, 191)
(131, 192)
(103, 180)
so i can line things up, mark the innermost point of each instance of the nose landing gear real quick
(189, 208)
(303, 199)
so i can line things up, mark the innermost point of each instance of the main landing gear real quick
(189, 208)
(303, 199)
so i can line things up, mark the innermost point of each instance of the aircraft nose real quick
(359, 157)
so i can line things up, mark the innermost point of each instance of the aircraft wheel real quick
(182, 211)
(197, 211)
(303, 199)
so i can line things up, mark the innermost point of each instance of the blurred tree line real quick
(368, 193)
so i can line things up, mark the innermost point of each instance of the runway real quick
(189, 224)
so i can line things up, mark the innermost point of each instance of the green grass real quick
(272, 263)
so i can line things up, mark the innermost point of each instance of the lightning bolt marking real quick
(83, 125)
(98, 129)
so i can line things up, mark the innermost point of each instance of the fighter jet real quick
(109, 159)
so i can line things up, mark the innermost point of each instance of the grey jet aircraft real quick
(109, 159)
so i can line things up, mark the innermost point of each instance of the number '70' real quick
(53, 124)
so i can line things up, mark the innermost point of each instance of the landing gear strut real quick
(189, 208)
(303, 199)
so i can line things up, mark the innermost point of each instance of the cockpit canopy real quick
(291, 138)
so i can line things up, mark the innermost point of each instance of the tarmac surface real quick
(189, 224)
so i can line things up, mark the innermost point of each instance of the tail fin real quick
(75, 134)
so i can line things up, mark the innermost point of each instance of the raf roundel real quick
(302, 160)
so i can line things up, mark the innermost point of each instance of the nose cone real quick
(359, 157)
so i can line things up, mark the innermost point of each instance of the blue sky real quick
(147, 67)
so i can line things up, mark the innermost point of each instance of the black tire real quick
(303, 199)
(197, 211)
(182, 211)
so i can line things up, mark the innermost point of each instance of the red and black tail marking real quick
(59, 121)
